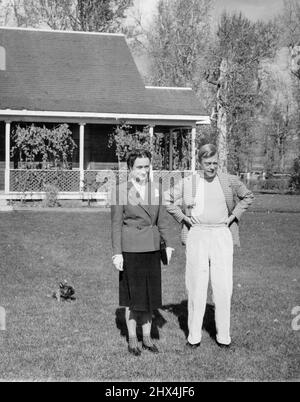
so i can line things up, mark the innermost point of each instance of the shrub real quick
(127, 138)
(31, 144)
(272, 183)
(275, 184)
(51, 198)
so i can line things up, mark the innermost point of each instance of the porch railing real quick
(36, 180)
(102, 181)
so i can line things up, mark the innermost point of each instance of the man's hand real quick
(118, 261)
(229, 220)
(169, 251)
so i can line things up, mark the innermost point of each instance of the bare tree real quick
(184, 51)
(4, 12)
(176, 45)
(235, 67)
(100, 15)
(280, 127)
(78, 15)
(289, 22)
(36, 13)
(178, 41)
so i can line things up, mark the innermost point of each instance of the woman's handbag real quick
(163, 253)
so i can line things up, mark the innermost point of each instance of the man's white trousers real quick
(209, 254)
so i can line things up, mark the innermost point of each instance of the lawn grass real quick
(276, 203)
(86, 339)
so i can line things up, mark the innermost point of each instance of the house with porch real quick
(91, 82)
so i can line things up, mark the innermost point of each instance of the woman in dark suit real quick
(139, 221)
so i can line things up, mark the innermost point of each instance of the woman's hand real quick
(118, 261)
(169, 251)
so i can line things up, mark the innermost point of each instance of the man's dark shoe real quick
(134, 351)
(192, 345)
(151, 348)
(222, 345)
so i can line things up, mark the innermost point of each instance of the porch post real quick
(151, 133)
(81, 155)
(171, 150)
(7, 156)
(193, 150)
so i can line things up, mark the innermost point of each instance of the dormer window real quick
(2, 59)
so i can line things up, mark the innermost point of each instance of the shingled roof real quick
(169, 100)
(81, 72)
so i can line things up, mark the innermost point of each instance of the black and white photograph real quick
(150, 193)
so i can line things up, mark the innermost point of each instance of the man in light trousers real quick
(209, 204)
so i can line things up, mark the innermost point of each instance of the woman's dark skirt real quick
(140, 282)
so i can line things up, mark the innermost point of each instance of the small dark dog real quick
(65, 292)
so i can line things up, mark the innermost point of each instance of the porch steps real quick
(101, 199)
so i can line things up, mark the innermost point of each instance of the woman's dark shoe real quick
(134, 351)
(192, 345)
(223, 345)
(151, 348)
